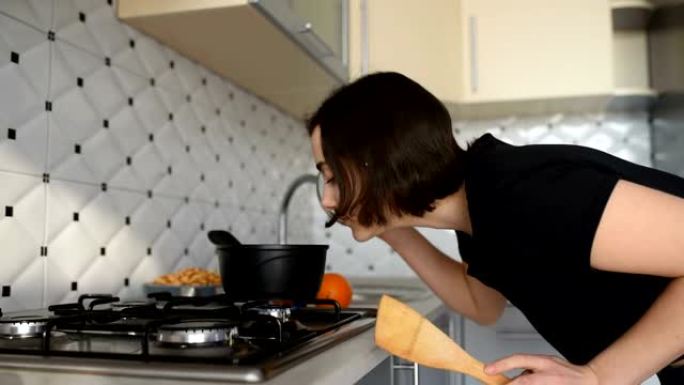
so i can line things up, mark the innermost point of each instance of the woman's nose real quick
(329, 198)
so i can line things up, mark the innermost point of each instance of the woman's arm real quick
(641, 231)
(446, 277)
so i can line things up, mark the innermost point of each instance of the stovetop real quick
(177, 337)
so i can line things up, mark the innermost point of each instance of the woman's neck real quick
(450, 212)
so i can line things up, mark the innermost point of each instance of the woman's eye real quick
(329, 181)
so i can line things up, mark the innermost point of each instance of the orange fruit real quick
(335, 286)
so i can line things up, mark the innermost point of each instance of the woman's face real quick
(331, 193)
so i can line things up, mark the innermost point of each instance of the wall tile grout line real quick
(46, 207)
(25, 23)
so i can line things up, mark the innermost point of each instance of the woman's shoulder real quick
(491, 157)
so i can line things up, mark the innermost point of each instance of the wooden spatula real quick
(403, 332)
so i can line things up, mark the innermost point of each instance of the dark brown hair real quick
(389, 145)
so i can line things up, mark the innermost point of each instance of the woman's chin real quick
(363, 234)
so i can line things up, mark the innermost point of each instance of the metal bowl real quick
(183, 290)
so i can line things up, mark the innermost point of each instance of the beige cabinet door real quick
(421, 39)
(535, 49)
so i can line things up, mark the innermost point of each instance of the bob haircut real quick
(389, 145)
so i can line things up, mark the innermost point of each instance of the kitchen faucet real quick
(282, 218)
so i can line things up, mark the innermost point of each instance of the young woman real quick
(588, 246)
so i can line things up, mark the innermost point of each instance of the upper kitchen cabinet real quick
(292, 53)
(471, 52)
(630, 47)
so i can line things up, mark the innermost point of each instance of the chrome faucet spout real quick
(284, 205)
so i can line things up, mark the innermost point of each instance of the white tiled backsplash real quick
(117, 155)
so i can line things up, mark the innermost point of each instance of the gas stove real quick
(208, 338)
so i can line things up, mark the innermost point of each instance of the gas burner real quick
(131, 304)
(22, 327)
(280, 313)
(196, 333)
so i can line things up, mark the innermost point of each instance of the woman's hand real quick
(543, 370)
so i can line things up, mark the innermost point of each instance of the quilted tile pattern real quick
(668, 134)
(117, 155)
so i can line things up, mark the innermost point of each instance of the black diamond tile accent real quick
(82, 17)
(51, 35)
(153, 82)
(128, 160)
(130, 101)
(105, 123)
(168, 224)
(231, 95)
(172, 64)
(76, 217)
(170, 116)
(169, 170)
(46, 178)
(77, 148)
(230, 184)
(218, 111)
(216, 204)
(202, 177)
(108, 61)
(110, 2)
(14, 57)
(6, 291)
(131, 43)
(103, 187)
(203, 129)
(79, 82)
(127, 282)
(218, 158)
(48, 106)
(43, 251)
(9, 211)
(202, 226)
(149, 194)
(149, 251)
(128, 221)
(186, 251)
(187, 199)
(187, 148)
(230, 139)
(11, 134)
(103, 251)
(188, 98)
(204, 81)
(74, 286)
(151, 137)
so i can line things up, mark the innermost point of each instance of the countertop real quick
(351, 360)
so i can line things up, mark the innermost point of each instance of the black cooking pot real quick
(264, 272)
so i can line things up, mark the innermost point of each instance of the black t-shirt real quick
(534, 211)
